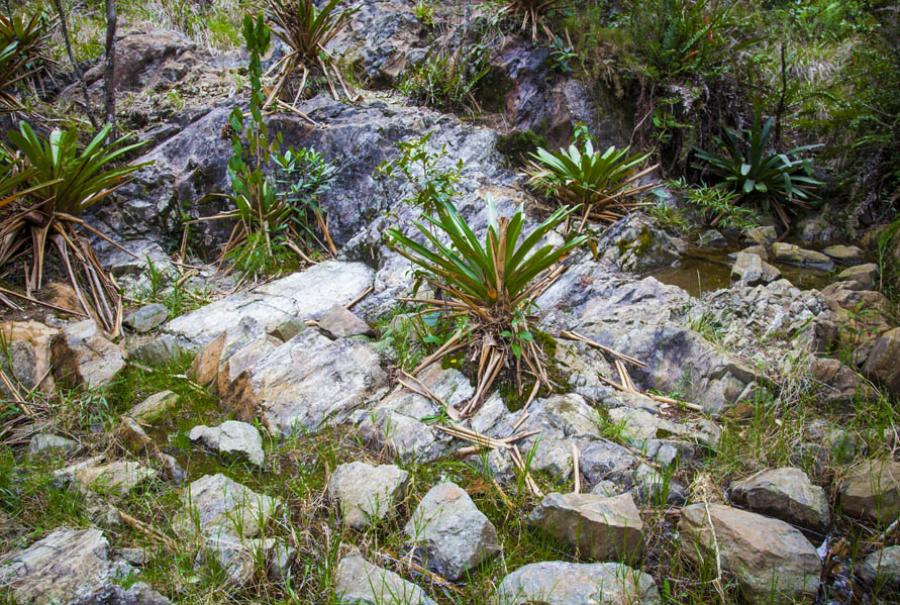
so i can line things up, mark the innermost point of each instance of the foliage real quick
(425, 13)
(533, 14)
(448, 81)
(562, 55)
(492, 283)
(752, 168)
(21, 54)
(603, 183)
(718, 208)
(887, 252)
(432, 184)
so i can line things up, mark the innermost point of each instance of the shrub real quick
(750, 166)
(492, 284)
(602, 183)
(21, 47)
(447, 81)
(718, 208)
(422, 168)
(532, 14)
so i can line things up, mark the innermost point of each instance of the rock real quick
(82, 355)
(844, 255)
(872, 490)
(758, 250)
(119, 477)
(602, 528)
(769, 558)
(765, 235)
(712, 239)
(881, 569)
(449, 533)
(143, 319)
(231, 437)
(236, 556)
(650, 487)
(280, 561)
(132, 435)
(111, 594)
(136, 556)
(866, 275)
(366, 494)
(338, 322)
(839, 384)
(637, 244)
(881, 363)
(752, 270)
(358, 582)
(28, 356)
(784, 493)
(816, 229)
(154, 407)
(172, 469)
(643, 427)
(792, 254)
(215, 503)
(47, 444)
(559, 583)
(63, 566)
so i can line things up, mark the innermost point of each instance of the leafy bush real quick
(492, 283)
(447, 81)
(750, 166)
(422, 169)
(718, 208)
(602, 183)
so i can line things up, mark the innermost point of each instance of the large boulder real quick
(602, 528)
(559, 583)
(785, 493)
(448, 532)
(365, 493)
(358, 582)
(638, 244)
(82, 355)
(769, 558)
(872, 490)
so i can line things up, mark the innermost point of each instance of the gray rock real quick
(44, 444)
(712, 239)
(637, 244)
(154, 407)
(784, 493)
(341, 323)
(651, 487)
(82, 355)
(236, 556)
(559, 583)
(111, 594)
(132, 435)
(758, 250)
(866, 275)
(839, 384)
(752, 270)
(816, 229)
(882, 569)
(765, 235)
(358, 582)
(881, 361)
(448, 532)
(366, 494)
(119, 477)
(872, 490)
(792, 254)
(215, 503)
(769, 558)
(136, 556)
(280, 561)
(231, 438)
(844, 255)
(143, 319)
(602, 528)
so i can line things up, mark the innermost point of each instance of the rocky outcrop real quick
(785, 493)
(838, 383)
(366, 494)
(871, 490)
(769, 558)
(231, 438)
(638, 244)
(559, 583)
(359, 582)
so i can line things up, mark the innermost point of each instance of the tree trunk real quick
(78, 73)
(110, 76)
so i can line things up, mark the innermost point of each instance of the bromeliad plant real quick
(61, 183)
(491, 284)
(603, 184)
(533, 14)
(21, 44)
(306, 29)
(751, 167)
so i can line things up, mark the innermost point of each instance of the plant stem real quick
(75, 67)
(109, 78)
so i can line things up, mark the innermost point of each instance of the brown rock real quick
(872, 490)
(29, 354)
(883, 360)
(784, 493)
(839, 384)
(82, 355)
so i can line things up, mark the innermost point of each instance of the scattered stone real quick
(650, 487)
(872, 490)
(882, 569)
(449, 533)
(135, 556)
(816, 229)
(154, 407)
(358, 582)
(132, 435)
(844, 255)
(769, 558)
(82, 355)
(881, 362)
(280, 561)
(119, 477)
(752, 270)
(341, 323)
(866, 275)
(231, 437)
(792, 254)
(62, 566)
(143, 319)
(601, 528)
(786, 494)
(758, 250)
(765, 235)
(215, 502)
(172, 469)
(712, 239)
(28, 357)
(47, 444)
(112, 594)
(606, 489)
(839, 384)
(559, 583)
(366, 493)
(236, 556)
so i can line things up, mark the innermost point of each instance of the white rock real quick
(231, 437)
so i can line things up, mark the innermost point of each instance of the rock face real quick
(449, 533)
(769, 557)
(637, 244)
(751, 270)
(365, 493)
(154, 407)
(601, 528)
(872, 490)
(558, 583)
(882, 361)
(231, 437)
(29, 353)
(795, 255)
(358, 582)
(61, 567)
(784, 493)
(216, 503)
(82, 355)
(882, 569)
